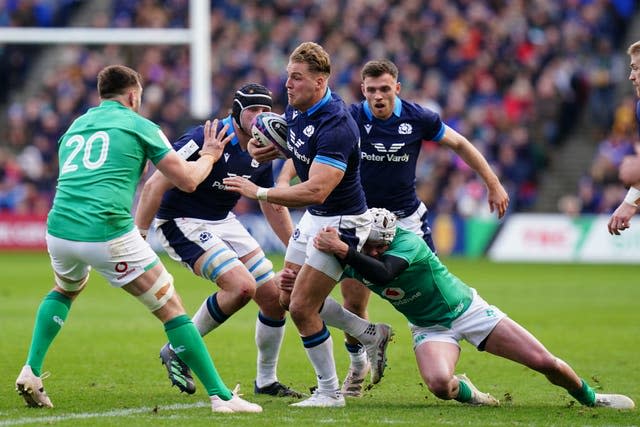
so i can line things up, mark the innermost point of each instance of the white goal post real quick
(197, 37)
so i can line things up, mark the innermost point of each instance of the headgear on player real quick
(383, 227)
(249, 95)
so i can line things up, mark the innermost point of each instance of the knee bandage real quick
(160, 292)
(71, 285)
(221, 260)
(260, 267)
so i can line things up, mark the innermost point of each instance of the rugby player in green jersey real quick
(442, 310)
(102, 156)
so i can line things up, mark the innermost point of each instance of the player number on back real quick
(70, 165)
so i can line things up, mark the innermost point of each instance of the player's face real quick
(374, 249)
(304, 88)
(247, 116)
(380, 93)
(634, 74)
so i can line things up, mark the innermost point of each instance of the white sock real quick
(203, 320)
(268, 342)
(359, 359)
(321, 357)
(339, 317)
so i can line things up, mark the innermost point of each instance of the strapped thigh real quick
(160, 292)
(260, 267)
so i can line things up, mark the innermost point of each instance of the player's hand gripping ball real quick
(271, 128)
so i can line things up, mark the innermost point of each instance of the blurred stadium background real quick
(539, 87)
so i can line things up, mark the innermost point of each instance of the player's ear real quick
(362, 89)
(398, 87)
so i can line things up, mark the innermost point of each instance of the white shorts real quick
(354, 230)
(474, 325)
(418, 223)
(120, 260)
(186, 239)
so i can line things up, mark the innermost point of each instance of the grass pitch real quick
(105, 368)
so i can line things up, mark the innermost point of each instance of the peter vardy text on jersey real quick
(387, 157)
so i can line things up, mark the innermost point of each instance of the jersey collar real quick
(228, 121)
(315, 107)
(397, 108)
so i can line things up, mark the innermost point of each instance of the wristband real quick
(632, 197)
(261, 194)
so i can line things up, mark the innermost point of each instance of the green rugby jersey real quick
(101, 158)
(426, 292)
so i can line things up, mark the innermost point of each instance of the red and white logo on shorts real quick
(394, 294)
(121, 267)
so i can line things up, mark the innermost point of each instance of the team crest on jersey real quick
(405, 129)
(204, 236)
(309, 130)
(254, 163)
(368, 127)
(394, 294)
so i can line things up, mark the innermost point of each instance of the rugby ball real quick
(271, 128)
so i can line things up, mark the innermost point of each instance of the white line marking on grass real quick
(108, 414)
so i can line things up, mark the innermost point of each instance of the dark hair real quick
(379, 67)
(114, 80)
(314, 56)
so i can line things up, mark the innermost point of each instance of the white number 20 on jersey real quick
(71, 164)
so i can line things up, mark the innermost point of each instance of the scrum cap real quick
(383, 227)
(250, 95)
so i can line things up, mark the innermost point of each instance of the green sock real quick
(584, 394)
(188, 345)
(50, 317)
(464, 392)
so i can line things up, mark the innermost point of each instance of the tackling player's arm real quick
(498, 198)
(322, 180)
(150, 200)
(379, 271)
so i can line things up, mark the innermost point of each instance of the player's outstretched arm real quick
(497, 196)
(620, 220)
(150, 200)
(188, 175)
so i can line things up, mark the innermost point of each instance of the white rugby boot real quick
(615, 401)
(30, 387)
(235, 404)
(478, 397)
(321, 400)
(354, 382)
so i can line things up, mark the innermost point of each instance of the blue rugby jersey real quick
(390, 150)
(327, 133)
(210, 201)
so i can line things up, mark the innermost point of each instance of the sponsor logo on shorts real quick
(121, 267)
(296, 234)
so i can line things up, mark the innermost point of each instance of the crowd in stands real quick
(512, 76)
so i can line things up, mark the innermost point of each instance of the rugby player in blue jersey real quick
(391, 134)
(199, 230)
(323, 143)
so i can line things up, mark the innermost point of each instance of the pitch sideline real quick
(108, 414)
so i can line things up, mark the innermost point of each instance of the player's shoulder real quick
(413, 109)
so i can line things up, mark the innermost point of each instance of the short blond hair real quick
(314, 56)
(634, 49)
